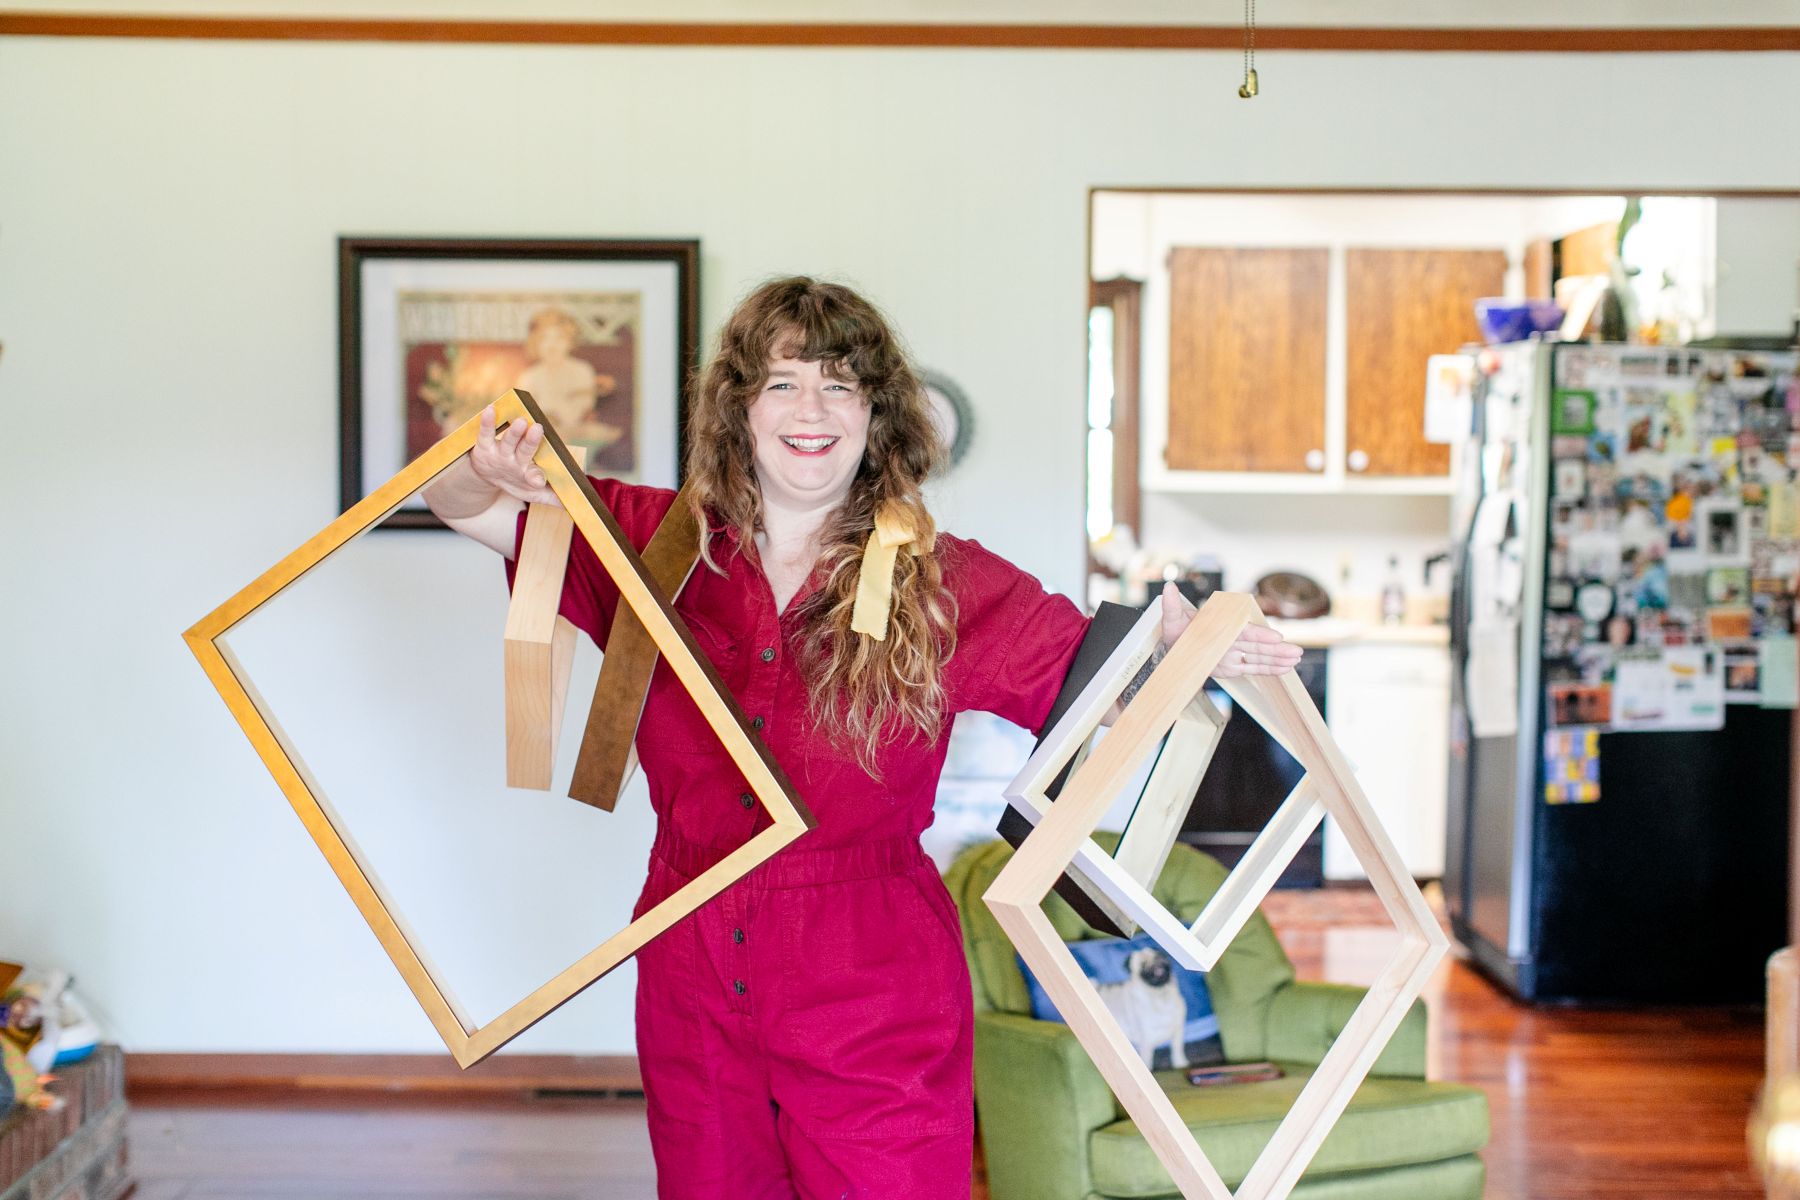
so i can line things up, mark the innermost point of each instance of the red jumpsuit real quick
(809, 1032)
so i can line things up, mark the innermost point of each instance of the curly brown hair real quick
(863, 693)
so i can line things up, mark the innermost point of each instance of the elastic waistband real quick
(796, 865)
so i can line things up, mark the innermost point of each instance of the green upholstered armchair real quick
(1051, 1130)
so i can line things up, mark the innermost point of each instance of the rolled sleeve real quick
(1019, 640)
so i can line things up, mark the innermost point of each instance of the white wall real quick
(1759, 265)
(167, 305)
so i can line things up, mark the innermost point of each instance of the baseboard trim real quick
(419, 1073)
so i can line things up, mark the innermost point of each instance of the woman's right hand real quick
(504, 460)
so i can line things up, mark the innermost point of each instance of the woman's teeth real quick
(810, 445)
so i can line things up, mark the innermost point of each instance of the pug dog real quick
(1148, 1006)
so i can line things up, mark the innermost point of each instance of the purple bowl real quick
(1503, 320)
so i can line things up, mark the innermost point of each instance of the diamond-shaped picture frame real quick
(1062, 838)
(468, 1042)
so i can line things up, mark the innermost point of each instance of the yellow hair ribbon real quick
(875, 584)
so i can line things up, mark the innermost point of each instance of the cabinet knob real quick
(1315, 460)
(1357, 460)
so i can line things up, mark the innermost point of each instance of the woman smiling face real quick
(809, 430)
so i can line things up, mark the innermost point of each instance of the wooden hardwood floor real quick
(249, 1146)
(1589, 1104)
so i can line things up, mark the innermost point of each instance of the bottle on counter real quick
(1393, 594)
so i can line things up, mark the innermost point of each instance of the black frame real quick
(353, 251)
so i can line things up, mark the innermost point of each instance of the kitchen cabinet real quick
(1388, 706)
(1303, 370)
(1246, 359)
(1400, 308)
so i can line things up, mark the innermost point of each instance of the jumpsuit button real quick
(747, 800)
(768, 654)
(737, 935)
(738, 987)
(756, 723)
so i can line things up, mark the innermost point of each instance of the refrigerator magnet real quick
(1580, 703)
(1722, 532)
(1743, 675)
(1730, 623)
(1572, 765)
(1571, 478)
(1573, 412)
(1596, 554)
(1594, 601)
(1728, 586)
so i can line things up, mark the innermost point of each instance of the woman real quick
(809, 1032)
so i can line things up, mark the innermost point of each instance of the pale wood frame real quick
(539, 644)
(467, 1042)
(1162, 806)
(1282, 706)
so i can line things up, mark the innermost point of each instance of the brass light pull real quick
(1249, 87)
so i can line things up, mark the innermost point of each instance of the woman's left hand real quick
(1258, 650)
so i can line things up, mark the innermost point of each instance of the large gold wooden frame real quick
(468, 1042)
(1280, 704)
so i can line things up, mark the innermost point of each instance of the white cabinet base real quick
(1388, 705)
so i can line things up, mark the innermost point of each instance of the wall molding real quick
(389, 1073)
(1709, 39)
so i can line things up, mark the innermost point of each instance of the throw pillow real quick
(1164, 1009)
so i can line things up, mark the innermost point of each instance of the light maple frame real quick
(1280, 704)
(539, 644)
(470, 1043)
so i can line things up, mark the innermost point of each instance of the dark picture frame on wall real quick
(602, 332)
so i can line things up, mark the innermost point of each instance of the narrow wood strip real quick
(608, 744)
(1388, 39)
(386, 1073)
(1168, 795)
(540, 645)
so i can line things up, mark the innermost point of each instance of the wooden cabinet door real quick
(1401, 307)
(1246, 359)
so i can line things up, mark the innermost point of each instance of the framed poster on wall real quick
(602, 333)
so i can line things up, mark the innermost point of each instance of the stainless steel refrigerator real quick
(1626, 544)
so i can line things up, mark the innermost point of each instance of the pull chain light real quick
(1249, 88)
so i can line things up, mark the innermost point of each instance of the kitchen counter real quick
(1331, 631)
